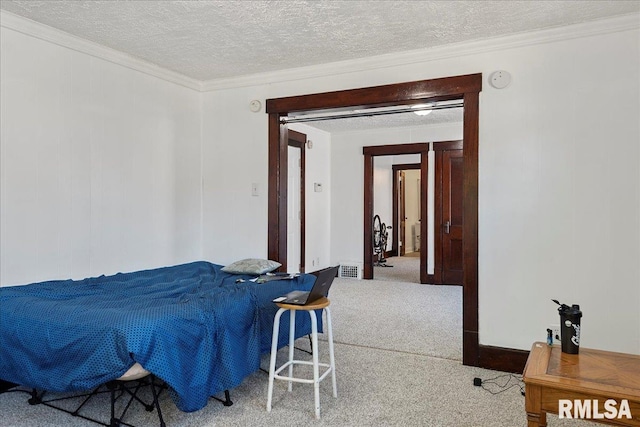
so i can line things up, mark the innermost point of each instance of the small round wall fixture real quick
(500, 79)
(309, 144)
(255, 106)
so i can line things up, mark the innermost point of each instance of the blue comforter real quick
(191, 325)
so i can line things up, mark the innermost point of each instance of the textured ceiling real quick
(208, 40)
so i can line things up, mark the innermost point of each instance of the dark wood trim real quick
(467, 88)
(274, 226)
(424, 215)
(502, 359)
(367, 271)
(470, 227)
(396, 149)
(470, 342)
(446, 88)
(395, 221)
(299, 140)
(448, 145)
(405, 166)
(436, 277)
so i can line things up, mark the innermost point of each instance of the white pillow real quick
(251, 266)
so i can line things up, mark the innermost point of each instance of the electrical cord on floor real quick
(495, 385)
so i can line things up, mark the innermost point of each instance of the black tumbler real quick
(570, 328)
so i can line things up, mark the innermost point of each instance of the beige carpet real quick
(391, 372)
(401, 269)
(400, 316)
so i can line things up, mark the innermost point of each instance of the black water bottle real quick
(569, 327)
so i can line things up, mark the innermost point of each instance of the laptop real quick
(320, 289)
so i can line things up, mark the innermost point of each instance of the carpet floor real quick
(398, 351)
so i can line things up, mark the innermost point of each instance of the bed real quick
(197, 328)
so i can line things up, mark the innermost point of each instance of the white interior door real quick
(293, 211)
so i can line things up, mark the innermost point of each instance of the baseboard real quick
(6, 385)
(502, 359)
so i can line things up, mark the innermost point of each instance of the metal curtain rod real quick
(301, 119)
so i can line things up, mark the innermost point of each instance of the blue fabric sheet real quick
(191, 325)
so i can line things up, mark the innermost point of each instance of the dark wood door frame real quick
(392, 150)
(299, 140)
(467, 88)
(395, 220)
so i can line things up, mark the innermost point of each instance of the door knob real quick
(447, 227)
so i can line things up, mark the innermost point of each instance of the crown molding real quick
(594, 28)
(34, 29)
(44, 32)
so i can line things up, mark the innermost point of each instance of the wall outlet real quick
(555, 328)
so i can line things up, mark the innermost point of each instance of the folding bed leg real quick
(157, 403)
(113, 421)
(35, 399)
(227, 399)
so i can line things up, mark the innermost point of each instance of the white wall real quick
(234, 156)
(99, 165)
(559, 181)
(382, 194)
(318, 204)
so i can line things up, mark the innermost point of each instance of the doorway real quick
(297, 142)
(406, 209)
(466, 88)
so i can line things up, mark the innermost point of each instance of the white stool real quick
(322, 303)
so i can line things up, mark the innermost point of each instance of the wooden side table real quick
(551, 375)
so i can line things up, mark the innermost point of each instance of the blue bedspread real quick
(191, 325)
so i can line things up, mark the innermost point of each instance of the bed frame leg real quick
(113, 421)
(227, 399)
(35, 399)
(156, 401)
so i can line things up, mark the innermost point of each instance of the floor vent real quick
(350, 270)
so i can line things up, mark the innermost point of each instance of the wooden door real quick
(296, 216)
(448, 260)
(451, 230)
(402, 215)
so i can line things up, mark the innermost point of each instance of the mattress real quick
(192, 325)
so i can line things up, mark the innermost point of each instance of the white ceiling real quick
(209, 40)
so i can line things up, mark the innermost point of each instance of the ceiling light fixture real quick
(422, 109)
